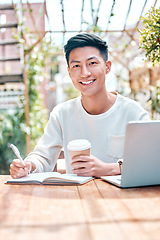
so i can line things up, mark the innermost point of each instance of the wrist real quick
(30, 166)
(111, 169)
(115, 169)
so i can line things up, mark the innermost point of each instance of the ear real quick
(108, 66)
(68, 71)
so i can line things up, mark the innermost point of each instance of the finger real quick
(81, 164)
(14, 168)
(81, 158)
(18, 163)
(17, 172)
(28, 166)
(78, 164)
(14, 174)
(82, 172)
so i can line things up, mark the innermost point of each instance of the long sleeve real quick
(46, 152)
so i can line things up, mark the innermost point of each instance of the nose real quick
(85, 72)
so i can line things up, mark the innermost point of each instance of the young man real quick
(98, 116)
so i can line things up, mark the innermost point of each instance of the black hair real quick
(86, 40)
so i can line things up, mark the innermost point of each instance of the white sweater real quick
(69, 121)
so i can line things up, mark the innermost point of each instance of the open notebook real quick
(53, 178)
(141, 161)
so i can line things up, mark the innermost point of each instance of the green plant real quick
(38, 114)
(12, 130)
(12, 125)
(150, 43)
(150, 35)
(154, 101)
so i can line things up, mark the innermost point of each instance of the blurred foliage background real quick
(12, 125)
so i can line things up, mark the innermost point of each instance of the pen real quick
(16, 151)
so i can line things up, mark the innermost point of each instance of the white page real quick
(39, 177)
(71, 178)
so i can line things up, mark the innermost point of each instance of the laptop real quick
(141, 159)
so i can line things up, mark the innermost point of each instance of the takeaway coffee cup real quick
(79, 147)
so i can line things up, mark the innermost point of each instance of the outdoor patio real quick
(32, 61)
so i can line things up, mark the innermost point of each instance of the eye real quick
(92, 63)
(76, 66)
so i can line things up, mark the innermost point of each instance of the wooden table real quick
(96, 210)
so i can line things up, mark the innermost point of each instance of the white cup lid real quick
(78, 145)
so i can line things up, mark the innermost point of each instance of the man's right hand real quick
(20, 169)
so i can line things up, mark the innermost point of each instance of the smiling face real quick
(87, 70)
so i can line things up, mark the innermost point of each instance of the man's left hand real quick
(91, 166)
